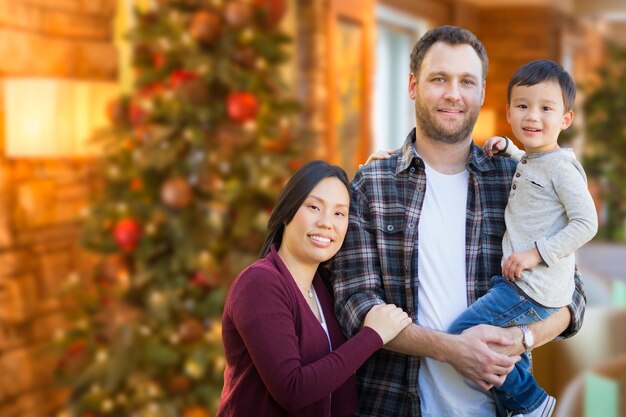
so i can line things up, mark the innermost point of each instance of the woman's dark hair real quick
(293, 195)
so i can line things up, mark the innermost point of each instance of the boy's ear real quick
(568, 118)
(508, 113)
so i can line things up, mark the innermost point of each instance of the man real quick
(425, 233)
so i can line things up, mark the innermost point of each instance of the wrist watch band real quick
(529, 338)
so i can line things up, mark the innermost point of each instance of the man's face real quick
(448, 93)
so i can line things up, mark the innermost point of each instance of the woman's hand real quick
(387, 320)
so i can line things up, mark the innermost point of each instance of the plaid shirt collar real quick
(476, 162)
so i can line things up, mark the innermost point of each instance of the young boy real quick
(549, 215)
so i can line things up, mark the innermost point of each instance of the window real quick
(393, 110)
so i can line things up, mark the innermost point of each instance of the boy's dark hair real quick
(542, 70)
(452, 35)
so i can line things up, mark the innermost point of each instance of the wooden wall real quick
(41, 201)
(513, 36)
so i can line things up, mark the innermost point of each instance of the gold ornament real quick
(176, 193)
(195, 411)
(205, 27)
(107, 405)
(190, 330)
(237, 14)
(193, 369)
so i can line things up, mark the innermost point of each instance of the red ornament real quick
(158, 60)
(242, 106)
(137, 114)
(180, 77)
(272, 10)
(127, 233)
(77, 348)
(152, 90)
(136, 184)
(203, 281)
(295, 164)
(205, 27)
(176, 193)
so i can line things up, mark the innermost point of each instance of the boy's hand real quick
(378, 155)
(494, 145)
(516, 263)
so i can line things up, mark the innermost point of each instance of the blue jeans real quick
(506, 305)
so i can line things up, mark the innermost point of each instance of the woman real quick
(285, 352)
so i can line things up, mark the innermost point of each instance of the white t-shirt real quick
(442, 294)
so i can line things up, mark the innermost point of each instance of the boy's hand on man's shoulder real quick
(494, 145)
(378, 155)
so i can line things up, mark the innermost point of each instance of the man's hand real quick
(470, 354)
(516, 263)
(494, 145)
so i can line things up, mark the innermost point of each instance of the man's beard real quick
(433, 129)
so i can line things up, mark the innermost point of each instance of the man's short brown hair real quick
(452, 35)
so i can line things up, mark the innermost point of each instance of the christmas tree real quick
(192, 166)
(604, 109)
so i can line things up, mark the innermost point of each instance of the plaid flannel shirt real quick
(378, 260)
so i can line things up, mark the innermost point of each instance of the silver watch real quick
(529, 338)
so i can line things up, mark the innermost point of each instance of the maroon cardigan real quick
(278, 362)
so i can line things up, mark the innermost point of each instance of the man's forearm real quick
(468, 353)
(544, 331)
(419, 341)
(547, 330)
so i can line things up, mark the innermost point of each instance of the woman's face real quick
(318, 228)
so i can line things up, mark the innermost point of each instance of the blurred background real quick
(143, 144)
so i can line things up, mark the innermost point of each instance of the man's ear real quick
(482, 99)
(568, 118)
(412, 85)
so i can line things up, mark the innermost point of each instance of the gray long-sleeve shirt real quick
(549, 206)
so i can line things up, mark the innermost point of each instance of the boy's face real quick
(537, 115)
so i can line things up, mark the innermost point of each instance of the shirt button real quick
(514, 186)
(523, 161)
(518, 174)
(412, 169)
(411, 226)
(420, 188)
(390, 227)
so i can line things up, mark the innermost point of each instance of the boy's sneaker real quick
(544, 410)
